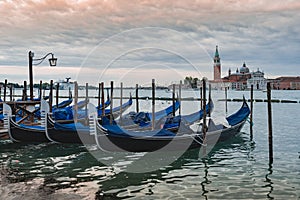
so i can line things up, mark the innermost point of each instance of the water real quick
(237, 169)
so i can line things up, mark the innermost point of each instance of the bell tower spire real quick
(217, 65)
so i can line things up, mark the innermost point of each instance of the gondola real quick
(4, 131)
(30, 133)
(37, 114)
(78, 133)
(61, 105)
(66, 113)
(4, 134)
(117, 111)
(172, 123)
(144, 119)
(114, 138)
(68, 133)
(26, 133)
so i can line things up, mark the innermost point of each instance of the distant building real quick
(217, 82)
(217, 66)
(286, 83)
(240, 80)
(257, 80)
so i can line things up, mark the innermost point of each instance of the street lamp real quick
(52, 62)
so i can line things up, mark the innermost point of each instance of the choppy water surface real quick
(237, 169)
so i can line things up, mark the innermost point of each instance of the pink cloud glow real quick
(32, 14)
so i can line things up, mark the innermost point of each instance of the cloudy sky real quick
(135, 41)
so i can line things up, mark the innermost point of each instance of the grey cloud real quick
(264, 36)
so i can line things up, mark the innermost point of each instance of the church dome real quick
(244, 69)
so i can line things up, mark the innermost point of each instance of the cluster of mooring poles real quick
(100, 98)
(269, 110)
(202, 104)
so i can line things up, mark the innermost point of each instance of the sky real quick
(135, 41)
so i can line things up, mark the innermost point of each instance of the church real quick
(242, 79)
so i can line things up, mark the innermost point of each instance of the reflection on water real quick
(189, 167)
(269, 182)
(227, 170)
(205, 181)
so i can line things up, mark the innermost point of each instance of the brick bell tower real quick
(217, 66)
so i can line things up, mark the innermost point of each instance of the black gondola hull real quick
(68, 136)
(22, 134)
(113, 143)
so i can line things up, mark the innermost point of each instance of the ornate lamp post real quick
(52, 62)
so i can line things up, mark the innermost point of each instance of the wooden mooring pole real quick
(270, 123)
(209, 99)
(11, 92)
(173, 101)
(121, 101)
(51, 95)
(40, 90)
(99, 96)
(153, 103)
(86, 100)
(24, 98)
(204, 127)
(251, 113)
(137, 98)
(5, 85)
(179, 98)
(201, 96)
(57, 94)
(226, 110)
(111, 103)
(102, 99)
(203, 108)
(75, 102)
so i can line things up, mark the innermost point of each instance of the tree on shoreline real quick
(191, 81)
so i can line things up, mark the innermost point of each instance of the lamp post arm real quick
(41, 59)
